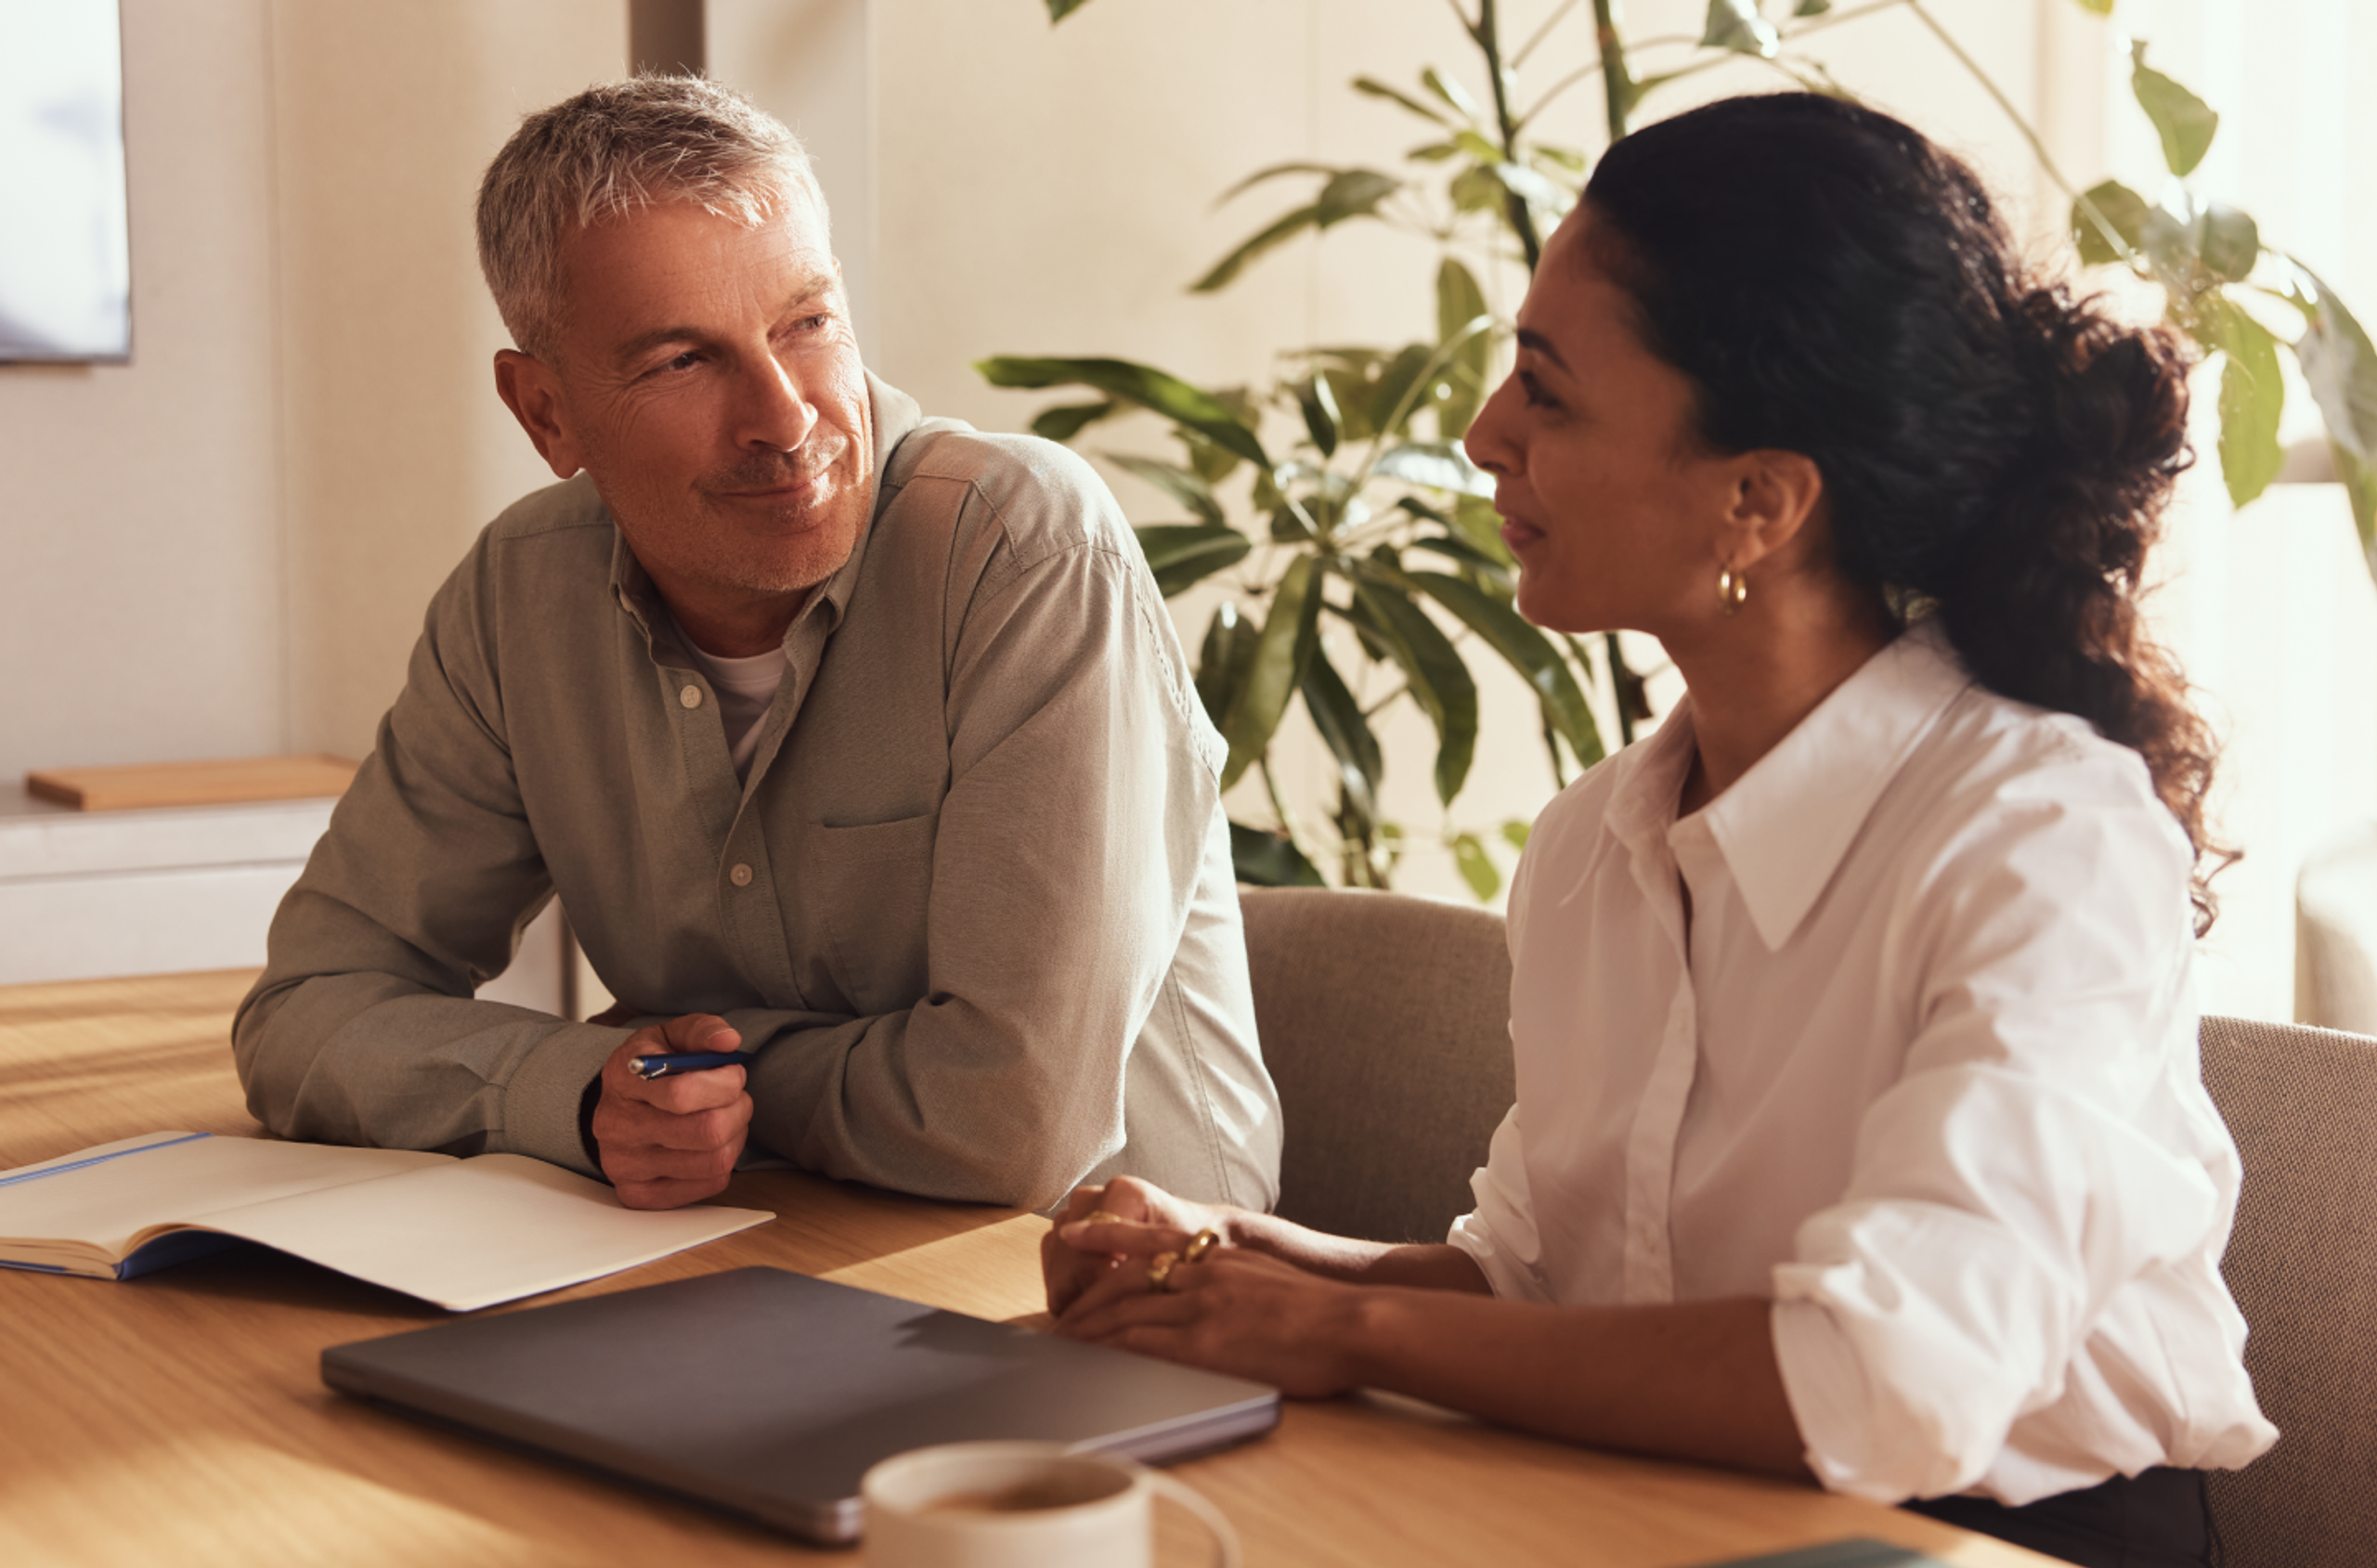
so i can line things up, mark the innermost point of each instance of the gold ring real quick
(1203, 1242)
(1101, 1217)
(1160, 1269)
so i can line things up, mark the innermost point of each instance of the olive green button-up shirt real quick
(973, 908)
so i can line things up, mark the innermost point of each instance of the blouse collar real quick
(1785, 824)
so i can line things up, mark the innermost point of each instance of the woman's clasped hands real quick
(1128, 1264)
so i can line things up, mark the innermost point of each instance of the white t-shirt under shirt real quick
(745, 687)
(1924, 1073)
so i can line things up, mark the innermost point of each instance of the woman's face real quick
(1609, 499)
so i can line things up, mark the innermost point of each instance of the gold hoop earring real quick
(1733, 589)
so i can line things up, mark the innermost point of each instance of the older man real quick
(854, 740)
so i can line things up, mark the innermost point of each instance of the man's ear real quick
(532, 392)
(1774, 496)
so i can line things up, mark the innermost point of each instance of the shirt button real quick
(691, 696)
(740, 875)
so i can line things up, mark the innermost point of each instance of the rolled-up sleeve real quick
(1499, 1234)
(2047, 1145)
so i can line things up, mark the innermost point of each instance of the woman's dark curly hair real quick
(1835, 285)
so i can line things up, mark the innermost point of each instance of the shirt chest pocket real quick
(873, 886)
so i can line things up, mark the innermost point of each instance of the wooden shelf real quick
(230, 783)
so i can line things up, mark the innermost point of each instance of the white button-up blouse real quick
(1921, 1068)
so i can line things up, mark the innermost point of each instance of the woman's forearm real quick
(1694, 1380)
(1359, 1262)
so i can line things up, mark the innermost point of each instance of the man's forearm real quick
(374, 1059)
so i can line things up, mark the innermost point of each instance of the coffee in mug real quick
(1022, 1504)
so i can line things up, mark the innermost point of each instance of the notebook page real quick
(488, 1229)
(106, 1196)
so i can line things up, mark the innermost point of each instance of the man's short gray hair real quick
(612, 151)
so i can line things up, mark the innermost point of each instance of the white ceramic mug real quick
(1022, 1504)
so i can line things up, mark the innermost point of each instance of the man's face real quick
(710, 383)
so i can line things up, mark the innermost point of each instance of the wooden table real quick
(181, 1417)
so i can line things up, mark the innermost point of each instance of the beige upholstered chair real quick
(1385, 1023)
(2303, 1263)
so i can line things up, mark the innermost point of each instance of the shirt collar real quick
(1784, 825)
(894, 415)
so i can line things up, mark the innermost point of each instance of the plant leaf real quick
(2253, 396)
(1396, 395)
(2121, 207)
(1460, 302)
(2228, 241)
(1475, 189)
(1346, 733)
(1270, 859)
(1355, 193)
(1069, 419)
(2360, 485)
(1144, 384)
(1479, 524)
(1476, 870)
(1531, 187)
(1453, 547)
(1291, 631)
(1440, 465)
(1350, 193)
(1378, 89)
(2341, 367)
(2185, 122)
(1060, 9)
(1818, 7)
(1180, 483)
(1222, 660)
(1319, 405)
(1272, 173)
(2098, 7)
(1478, 146)
(1182, 553)
(1440, 683)
(1736, 25)
(1526, 649)
(1453, 93)
(1515, 832)
(1281, 230)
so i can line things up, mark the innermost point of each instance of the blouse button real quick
(691, 696)
(740, 875)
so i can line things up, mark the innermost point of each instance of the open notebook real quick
(461, 1233)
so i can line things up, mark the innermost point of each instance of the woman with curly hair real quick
(1859, 1133)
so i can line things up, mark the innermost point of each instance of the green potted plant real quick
(1337, 496)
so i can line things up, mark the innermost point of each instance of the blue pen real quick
(685, 1061)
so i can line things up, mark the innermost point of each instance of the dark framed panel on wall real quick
(65, 232)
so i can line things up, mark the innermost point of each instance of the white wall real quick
(223, 547)
(395, 450)
(140, 504)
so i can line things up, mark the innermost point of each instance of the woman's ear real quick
(1774, 494)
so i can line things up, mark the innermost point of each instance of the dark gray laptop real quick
(768, 1393)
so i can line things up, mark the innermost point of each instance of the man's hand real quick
(668, 1142)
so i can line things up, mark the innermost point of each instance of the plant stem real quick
(1618, 88)
(1541, 33)
(1593, 68)
(2088, 209)
(1834, 18)
(1514, 208)
(1278, 807)
(1619, 688)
